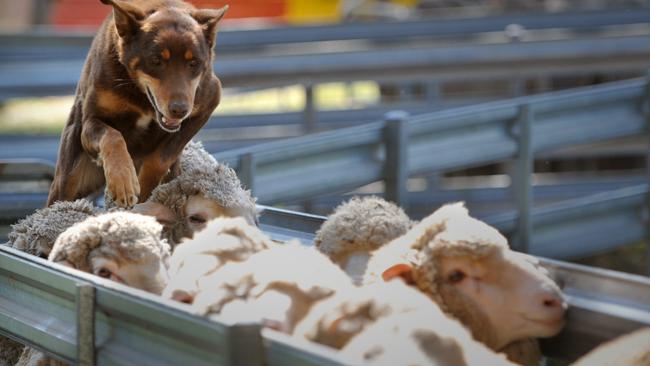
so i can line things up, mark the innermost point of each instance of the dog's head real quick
(166, 50)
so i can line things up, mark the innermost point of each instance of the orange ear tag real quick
(402, 270)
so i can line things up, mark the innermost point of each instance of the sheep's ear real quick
(403, 270)
(163, 214)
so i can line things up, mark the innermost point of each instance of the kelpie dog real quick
(146, 88)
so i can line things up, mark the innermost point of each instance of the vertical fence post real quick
(247, 168)
(309, 113)
(522, 182)
(85, 303)
(646, 214)
(396, 169)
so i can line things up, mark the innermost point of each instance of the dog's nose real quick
(178, 109)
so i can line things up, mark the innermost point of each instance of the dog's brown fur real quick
(147, 87)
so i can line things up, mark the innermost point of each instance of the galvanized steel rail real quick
(39, 302)
(345, 159)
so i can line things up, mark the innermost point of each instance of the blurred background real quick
(296, 68)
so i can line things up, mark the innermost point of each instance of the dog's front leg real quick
(107, 145)
(154, 168)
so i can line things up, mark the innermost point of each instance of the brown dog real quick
(147, 87)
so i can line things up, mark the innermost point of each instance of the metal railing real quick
(514, 130)
(90, 320)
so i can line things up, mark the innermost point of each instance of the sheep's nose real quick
(178, 108)
(183, 296)
(553, 303)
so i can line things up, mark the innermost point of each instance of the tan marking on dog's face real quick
(189, 55)
(166, 55)
(144, 121)
(134, 63)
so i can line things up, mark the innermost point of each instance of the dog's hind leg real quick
(84, 178)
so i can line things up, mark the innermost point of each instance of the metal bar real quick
(85, 301)
(396, 166)
(247, 171)
(646, 209)
(522, 180)
(309, 113)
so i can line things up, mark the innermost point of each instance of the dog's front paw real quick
(122, 184)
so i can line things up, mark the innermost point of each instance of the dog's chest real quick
(143, 122)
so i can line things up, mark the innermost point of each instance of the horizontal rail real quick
(136, 327)
(296, 168)
(49, 44)
(474, 61)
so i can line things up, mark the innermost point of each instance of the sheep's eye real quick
(456, 276)
(105, 273)
(196, 219)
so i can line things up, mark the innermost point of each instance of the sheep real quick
(275, 287)
(356, 228)
(336, 320)
(632, 349)
(466, 267)
(121, 246)
(36, 233)
(391, 324)
(201, 189)
(419, 338)
(223, 240)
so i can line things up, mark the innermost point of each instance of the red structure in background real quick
(91, 13)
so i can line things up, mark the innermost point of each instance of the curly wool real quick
(36, 233)
(201, 174)
(449, 232)
(121, 236)
(361, 224)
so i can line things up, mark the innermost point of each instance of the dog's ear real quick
(208, 19)
(127, 17)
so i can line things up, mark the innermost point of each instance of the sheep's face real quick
(516, 297)
(194, 216)
(148, 274)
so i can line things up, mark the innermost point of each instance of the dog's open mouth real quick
(167, 124)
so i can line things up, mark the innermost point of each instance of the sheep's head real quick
(356, 228)
(223, 240)
(466, 266)
(36, 233)
(120, 246)
(276, 287)
(185, 204)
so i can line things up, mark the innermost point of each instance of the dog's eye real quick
(156, 61)
(193, 64)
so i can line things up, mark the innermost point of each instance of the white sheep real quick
(223, 240)
(632, 349)
(392, 324)
(121, 246)
(36, 233)
(201, 190)
(358, 227)
(275, 287)
(419, 338)
(466, 267)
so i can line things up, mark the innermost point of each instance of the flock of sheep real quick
(376, 287)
